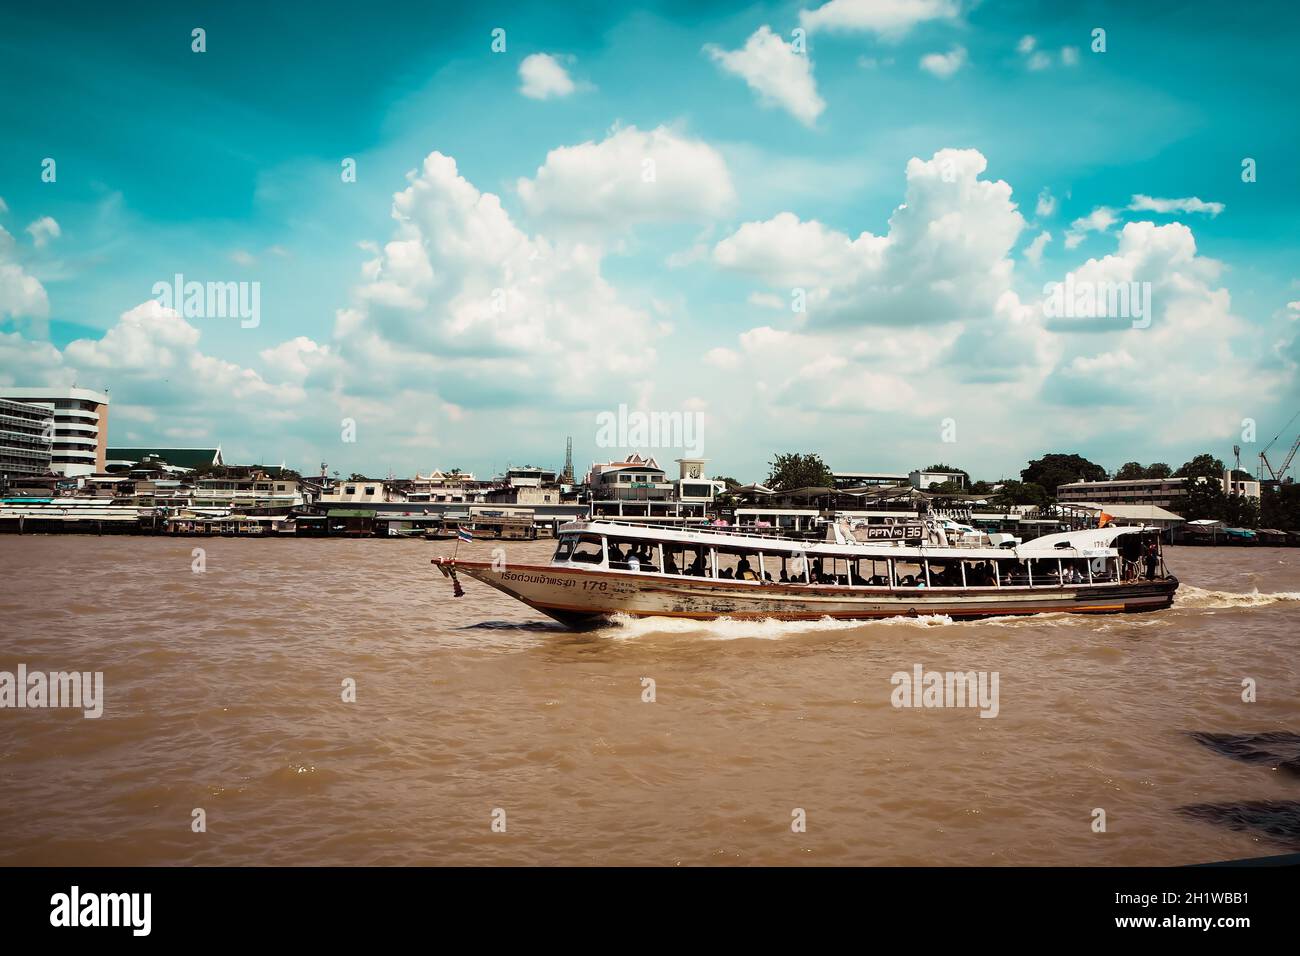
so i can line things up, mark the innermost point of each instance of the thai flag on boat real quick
(464, 534)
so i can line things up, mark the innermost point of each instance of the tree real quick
(729, 482)
(1279, 507)
(1202, 466)
(981, 488)
(791, 471)
(1158, 470)
(1059, 469)
(1130, 470)
(1204, 499)
(965, 475)
(1020, 493)
(356, 477)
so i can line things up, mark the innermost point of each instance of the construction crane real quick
(1264, 463)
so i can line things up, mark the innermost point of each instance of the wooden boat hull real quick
(580, 598)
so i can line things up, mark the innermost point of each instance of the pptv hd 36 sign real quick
(895, 532)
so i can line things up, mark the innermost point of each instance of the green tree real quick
(981, 488)
(965, 475)
(1202, 466)
(1279, 507)
(1131, 470)
(1158, 470)
(790, 471)
(1056, 469)
(1021, 493)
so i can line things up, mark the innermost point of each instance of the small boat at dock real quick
(602, 569)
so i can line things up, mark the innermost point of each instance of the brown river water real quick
(223, 690)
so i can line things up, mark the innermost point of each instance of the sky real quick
(473, 231)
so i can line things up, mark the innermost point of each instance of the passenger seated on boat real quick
(784, 578)
(908, 582)
(743, 570)
(726, 574)
(670, 564)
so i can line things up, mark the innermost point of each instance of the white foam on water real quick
(732, 629)
(1190, 596)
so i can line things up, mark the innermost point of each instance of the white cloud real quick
(1034, 251)
(1046, 206)
(1143, 203)
(25, 362)
(243, 257)
(544, 77)
(945, 256)
(1037, 59)
(944, 65)
(43, 230)
(628, 178)
(722, 358)
(1099, 220)
(3, 207)
(296, 359)
(889, 19)
(21, 293)
(461, 304)
(780, 76)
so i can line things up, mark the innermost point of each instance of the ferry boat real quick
(602, 569)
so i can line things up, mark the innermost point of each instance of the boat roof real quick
(1090, 543)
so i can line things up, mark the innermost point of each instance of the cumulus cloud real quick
(461, 302)
(1143, 203)
(1034, 251)
(43, 230)
(1037, 59)
(1046, 206)
(630, 177)
(944, 257)
(944, 65)
(889, 19)
(544, 77)
(780, 76)
(21, 293)
(1194, 360)
(1099, 220)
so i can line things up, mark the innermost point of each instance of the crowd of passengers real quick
(642, 557)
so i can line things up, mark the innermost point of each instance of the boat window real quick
(633, 554)
(1015, 573)
(588, 550)
(739, 564)
(909, 574)
(946, 574)
(871, 572)
(690, 560)
(565, 547)
(980, 574)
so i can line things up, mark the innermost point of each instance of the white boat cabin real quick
(917, 555)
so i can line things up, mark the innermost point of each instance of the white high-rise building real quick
(80, 425)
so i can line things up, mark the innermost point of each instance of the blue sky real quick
(781, 161)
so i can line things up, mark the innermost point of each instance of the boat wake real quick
(731, 629)
(1190, 596)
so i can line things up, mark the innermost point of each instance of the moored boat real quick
(602, 569)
